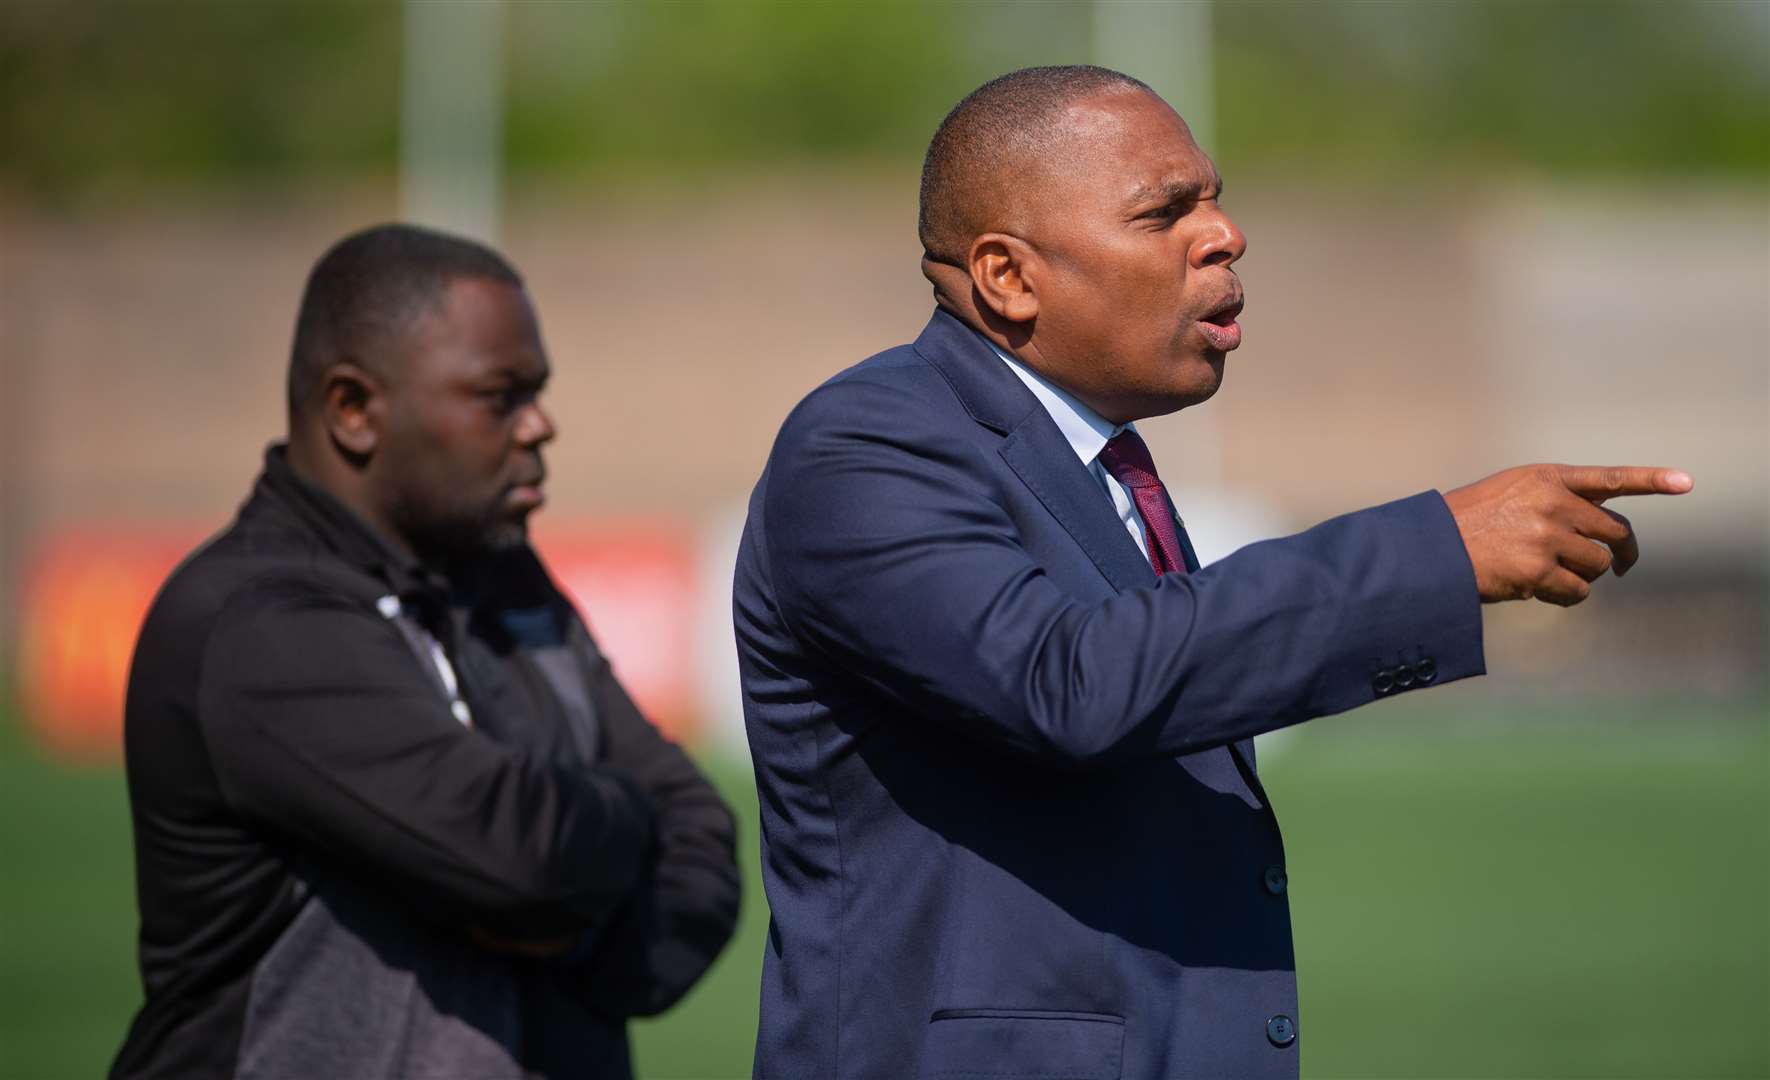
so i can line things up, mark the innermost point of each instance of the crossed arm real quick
(324, 730)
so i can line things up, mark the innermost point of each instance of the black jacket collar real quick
(342, 532)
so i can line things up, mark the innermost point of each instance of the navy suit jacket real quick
(1011, 825)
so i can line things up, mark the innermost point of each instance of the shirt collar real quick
(1085, 430)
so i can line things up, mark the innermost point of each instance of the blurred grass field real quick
(1589, 901)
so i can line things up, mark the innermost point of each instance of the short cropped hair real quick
(1003, 126)
(369, 290)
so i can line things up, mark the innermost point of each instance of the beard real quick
(442, 534)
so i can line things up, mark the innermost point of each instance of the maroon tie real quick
(1128, 460)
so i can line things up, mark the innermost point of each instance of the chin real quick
(1202, 378)
(475, 539)
(506, 536)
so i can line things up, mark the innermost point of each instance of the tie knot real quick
(1127, 459)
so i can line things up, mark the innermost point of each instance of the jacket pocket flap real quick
(966, 1044)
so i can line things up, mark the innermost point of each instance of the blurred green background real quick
(1568, 904)
(1558, 213)
(117, 98)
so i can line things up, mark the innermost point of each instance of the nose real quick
(534, 427)
(1220, 244)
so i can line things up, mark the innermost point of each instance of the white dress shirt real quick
(1087, 432)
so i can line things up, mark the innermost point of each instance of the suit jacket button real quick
(1280, 1031)
(1404, 676)
(1383, 682)
(1275, 880)
(1426, 670)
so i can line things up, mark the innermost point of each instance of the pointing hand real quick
(1543, 531)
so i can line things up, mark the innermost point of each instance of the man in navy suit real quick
(1002, 721)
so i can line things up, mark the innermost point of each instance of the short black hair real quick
(369, 288)
(1001, 126)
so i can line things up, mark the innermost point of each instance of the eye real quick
(501, 399)
(1167, 213)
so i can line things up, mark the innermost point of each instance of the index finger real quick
(1600, 482)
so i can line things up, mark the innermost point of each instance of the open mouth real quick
(1225, 313)
(1218, 325)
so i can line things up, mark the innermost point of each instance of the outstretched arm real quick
(894, 559)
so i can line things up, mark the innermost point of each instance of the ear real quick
(1003, 269)
(352, 401)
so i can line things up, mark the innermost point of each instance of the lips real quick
(1224, 313)
(1218, 324)
(527, 492)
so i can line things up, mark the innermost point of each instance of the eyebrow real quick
(504, 373)
(1173, 190)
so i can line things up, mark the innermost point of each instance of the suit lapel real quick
(1034, 448)
(1042, 458)
(1186, 551)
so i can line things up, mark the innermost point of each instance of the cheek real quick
(1144, 279)
(452, 447)
(1091, 299)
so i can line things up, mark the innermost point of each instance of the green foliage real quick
(1579, 86)
(669, 85)
(101, 98)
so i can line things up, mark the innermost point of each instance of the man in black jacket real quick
(394, 815)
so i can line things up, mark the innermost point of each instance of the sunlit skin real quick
(1107, 260)
(438, 446)
(1107, 266)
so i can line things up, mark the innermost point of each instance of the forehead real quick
(1130, 144)
(480, 326)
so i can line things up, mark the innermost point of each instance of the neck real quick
(322, 467)
(957, 296)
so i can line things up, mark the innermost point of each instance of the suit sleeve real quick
(894, 558)
(685, 908)
(322, 727)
